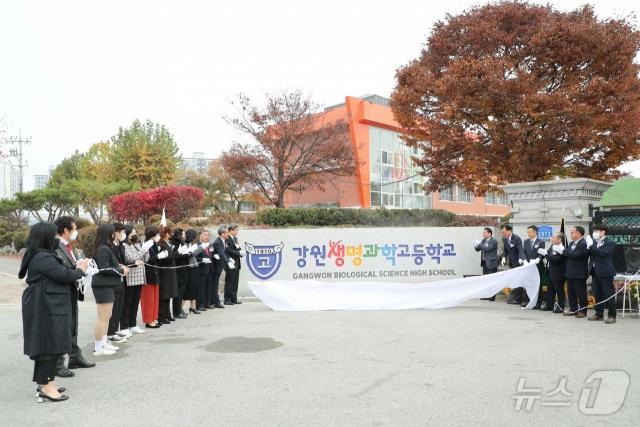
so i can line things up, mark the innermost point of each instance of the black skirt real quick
(103, 294)
(191, 290)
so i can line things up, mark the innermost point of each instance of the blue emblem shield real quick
(545, 231)
(264, 261)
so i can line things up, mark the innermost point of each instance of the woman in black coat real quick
(193, 274)
(167, 276)
(46, 308)
(179, 247)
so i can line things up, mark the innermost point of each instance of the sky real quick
(74, 71)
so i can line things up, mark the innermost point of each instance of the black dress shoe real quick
(219, 305)
(60, 389)
(546, 309)
(80, 364)
(181, 316)
(536, 307)
(171, 319)
(150, 326)
(191, 310)
(42, 396)
(201, 308)
(165, 322)
(237, 302)
(64, 373)
(227, 302)
(558, 310)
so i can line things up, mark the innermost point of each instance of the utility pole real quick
(17, 153)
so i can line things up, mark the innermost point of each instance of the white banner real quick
(283, 295)
(402, 254)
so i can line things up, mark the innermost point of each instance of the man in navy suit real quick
(577, 271)
(534, 252)
(512, 254)
(602, 272)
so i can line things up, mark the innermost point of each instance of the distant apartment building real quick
(40, 181)
(385, 175)
(197, 163)
(9, 180)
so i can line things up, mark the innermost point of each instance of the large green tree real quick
(145, 153)
(514, 91)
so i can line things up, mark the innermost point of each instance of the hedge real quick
(322, 217)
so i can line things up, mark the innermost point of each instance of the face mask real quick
(123, 236)
(74, 235)
(596, 235)
(156, 238)
(133, 238)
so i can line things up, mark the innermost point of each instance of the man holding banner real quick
(534, 252)
(512, 254)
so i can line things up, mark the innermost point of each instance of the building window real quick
(495, 198)
(446, 193)
(464, 195)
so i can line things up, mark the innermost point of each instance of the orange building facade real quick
(385, 175)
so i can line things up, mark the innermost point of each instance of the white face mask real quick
(74, 235)
(123, 236)
(596, 235)
(156, 238)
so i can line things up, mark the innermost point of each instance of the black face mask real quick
(134, 238)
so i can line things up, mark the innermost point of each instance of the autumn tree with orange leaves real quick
(513, 92)
(293, 147)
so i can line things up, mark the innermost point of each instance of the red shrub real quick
(180, 202)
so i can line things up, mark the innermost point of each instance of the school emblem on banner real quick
(264, 261)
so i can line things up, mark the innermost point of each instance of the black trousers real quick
(214, 298)
(177, 301)
(231, 279)
(116, 312)
(164, 310)
(555, 290)
(44, 368)
(129, 317)
(603, 288)
(76, 353)
(577, 290)
(204, 286)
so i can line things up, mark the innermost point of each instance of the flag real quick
(163, 220)
(564, 239)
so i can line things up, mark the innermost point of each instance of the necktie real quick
(71, 255)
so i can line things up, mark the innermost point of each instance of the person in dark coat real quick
(67, 233)
(513, 256)
(221, 262)
(232, 276)
(46, 308)
(114, 333)
(557, 266)
(577, 271)
(209, 269)
(191, 290)
(602, 273)
(182, 256)
(167, 276)
(488, 248)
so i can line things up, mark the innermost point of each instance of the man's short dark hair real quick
(118, 226)
(232, 226)
(579, 229)
(533, 227)
(507, 227)
(488, 230)
(64, 222)
(600, 227)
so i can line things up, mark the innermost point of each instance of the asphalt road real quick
(247, 365)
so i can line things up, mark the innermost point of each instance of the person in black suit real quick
(513, 255)
(223, 262)
(488, 248)
(232, 276)
(67, 233)
(533, 249)
(210, 271)
(557, 267)
(602, 273)
(577, 270)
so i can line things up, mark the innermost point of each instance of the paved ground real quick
(247, 365)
